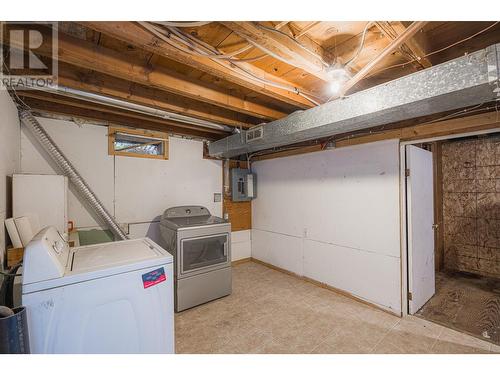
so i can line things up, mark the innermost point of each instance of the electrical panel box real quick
(243, 185)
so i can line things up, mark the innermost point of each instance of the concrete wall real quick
(9, 160)
(334, 216)
(135, 190)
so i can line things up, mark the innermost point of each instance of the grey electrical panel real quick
(243, 185)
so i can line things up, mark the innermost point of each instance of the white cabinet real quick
(45, 196)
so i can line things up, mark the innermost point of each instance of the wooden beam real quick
(107, 119)
(438, 205)
(402, 38)
(281, 46)
(59, 99)
(417, 45)
(306, 29)
(90, 56)
(134, 34)
(90, 81)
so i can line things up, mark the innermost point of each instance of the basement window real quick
(138, 143)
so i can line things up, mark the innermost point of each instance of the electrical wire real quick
(429, 54)
(193, 42)
(434, 52)
(327, 65)
(386, 28)
(454, 114)
(195, 50)
(361, 44)
(214, 52)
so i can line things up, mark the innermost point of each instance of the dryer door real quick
(201, 254)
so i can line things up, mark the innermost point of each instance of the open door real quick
(420, 226)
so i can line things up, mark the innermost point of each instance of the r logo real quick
(29, 54)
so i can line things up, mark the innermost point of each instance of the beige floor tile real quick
(251, 342)
(410, 335)
(353, 336)
(451, 341)
(271, 312)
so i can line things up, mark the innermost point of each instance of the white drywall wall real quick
(333, 216)
(241, 247)
(144, 188)
(87, 149)
(9, 158)
(135, 190)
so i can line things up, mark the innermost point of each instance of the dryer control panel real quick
(45, 257)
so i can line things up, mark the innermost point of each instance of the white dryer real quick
(115, 297)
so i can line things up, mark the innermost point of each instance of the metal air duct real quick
(458, 83)
(70, 171)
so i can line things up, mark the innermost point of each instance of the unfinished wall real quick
(334, 216)
(471, 205)
(135, 190)
(9, 160)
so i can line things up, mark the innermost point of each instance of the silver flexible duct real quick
(70, 171)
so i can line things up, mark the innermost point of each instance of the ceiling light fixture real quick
(338, 75)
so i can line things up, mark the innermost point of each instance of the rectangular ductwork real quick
(458, 83)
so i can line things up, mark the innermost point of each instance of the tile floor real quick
(271, 312)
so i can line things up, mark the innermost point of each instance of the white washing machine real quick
(115, 297)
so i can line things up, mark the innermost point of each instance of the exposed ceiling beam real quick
(306, 29)
(417, 45)
(87, 80)
(281, 46)
(134, 34)
(395, 44)
(54, 98)
(90, 56)
(97, 115)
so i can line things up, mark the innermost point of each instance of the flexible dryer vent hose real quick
(56, 154)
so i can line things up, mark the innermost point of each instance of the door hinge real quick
(407, 172)
(410, 296)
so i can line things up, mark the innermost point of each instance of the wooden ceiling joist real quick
(132, 62)
(395, 44)
(96, 114)
(416, 45)
(87, 55)
(102, 84)
(134, 34)
(281, 46)
(54, 98)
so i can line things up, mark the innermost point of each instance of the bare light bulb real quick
(335, 87)
(338, 76)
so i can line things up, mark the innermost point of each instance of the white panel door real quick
(420, 206)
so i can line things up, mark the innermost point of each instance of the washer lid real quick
(107, 259)
(112, 254)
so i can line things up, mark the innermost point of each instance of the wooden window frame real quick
(143, 133)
